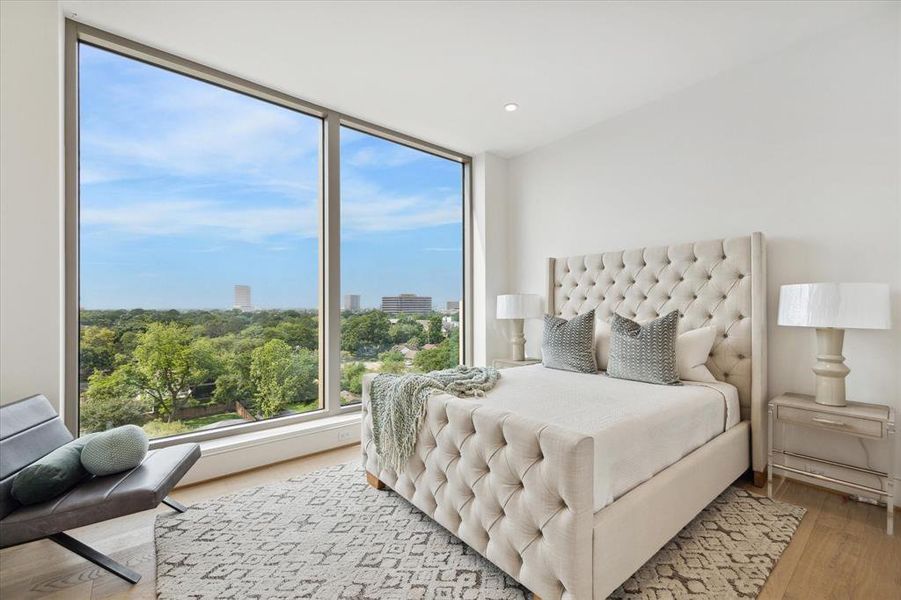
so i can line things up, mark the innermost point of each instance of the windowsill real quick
(221, 457)
(275, 434)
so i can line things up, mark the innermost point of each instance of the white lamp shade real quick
(839, 305)
(518, 306)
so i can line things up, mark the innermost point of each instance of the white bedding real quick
(639, 429)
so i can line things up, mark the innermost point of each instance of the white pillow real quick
(692, 351)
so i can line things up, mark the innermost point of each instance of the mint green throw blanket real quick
(398, 403)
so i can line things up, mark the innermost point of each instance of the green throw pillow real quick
(114, 451)
(52, 475)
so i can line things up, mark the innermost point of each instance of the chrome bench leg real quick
(169, 501)
(101, 560)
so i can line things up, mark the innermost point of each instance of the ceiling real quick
(443, 71)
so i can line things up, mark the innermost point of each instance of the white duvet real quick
(639, 429)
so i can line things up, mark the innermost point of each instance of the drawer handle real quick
(829, 422)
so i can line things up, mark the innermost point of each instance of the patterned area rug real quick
(328, 535)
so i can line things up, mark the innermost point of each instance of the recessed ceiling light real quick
(511, 106)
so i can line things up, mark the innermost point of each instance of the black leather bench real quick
(30, 429)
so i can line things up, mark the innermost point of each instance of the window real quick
(202, 270)
(401, 259)
(199, 242)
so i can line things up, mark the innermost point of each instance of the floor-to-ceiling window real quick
(198, 215)
(401, 259)
(199, 243)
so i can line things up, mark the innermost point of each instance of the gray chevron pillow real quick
(644, 352)
(569, 345)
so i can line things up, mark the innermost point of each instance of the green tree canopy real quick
(435, 333)
(112, 400)
(392, 362)
(98, 350)
(352, 377)
(405, 330)
(445, 356)
(364, 334)
(283, 376)
(168, 362)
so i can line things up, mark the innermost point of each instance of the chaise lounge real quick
(31, 429)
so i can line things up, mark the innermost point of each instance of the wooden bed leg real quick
(760, 479)
(375, 481)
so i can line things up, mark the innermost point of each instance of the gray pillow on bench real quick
(114, 451)
(52, 475)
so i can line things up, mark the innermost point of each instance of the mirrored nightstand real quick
(857, 419)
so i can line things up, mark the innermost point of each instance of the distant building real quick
(452, 306)
(407, 303)
(351, 302)
(242, 298)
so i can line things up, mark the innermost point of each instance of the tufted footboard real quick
(517, 491)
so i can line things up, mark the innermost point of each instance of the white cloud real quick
(212, 219)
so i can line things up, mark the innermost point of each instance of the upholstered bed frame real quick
(520, 492)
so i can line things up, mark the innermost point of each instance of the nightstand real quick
(509, 363)
(857, 419)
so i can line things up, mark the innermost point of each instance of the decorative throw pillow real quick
(644, 352)
(569, 345)
(602, 343)
(114, 451)
(52, 475)
(692, 351)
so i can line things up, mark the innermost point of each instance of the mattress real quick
(639, 429)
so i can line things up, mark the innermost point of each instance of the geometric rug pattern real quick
(328, 535)
(727, 551)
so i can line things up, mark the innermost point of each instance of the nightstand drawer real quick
(825, 420)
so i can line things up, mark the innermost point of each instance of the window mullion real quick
(330, 271)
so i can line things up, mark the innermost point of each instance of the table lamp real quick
(518, 307)
(831, 308)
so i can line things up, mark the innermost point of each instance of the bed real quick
(570, 499)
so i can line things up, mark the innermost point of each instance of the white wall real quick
(30, 200)
(490, 261)
(803, 146)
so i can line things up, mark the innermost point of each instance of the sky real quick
(188, 189)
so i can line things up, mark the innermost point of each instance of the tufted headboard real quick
(715, 282)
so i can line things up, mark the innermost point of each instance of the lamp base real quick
(518, 341)
(830, 367)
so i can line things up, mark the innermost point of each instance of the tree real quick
(283, 376)
(98, 351)
(352, 377)
(445, 356)
(299, 332)
(168, 362)
(405, 330)
(364, 334)
(392, 362)
(435, 334)
(112, 400)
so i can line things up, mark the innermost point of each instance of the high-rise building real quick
(351, 302)
(452, 306)
(407, 303)
(242, 298)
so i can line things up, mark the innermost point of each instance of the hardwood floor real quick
(840, 550)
